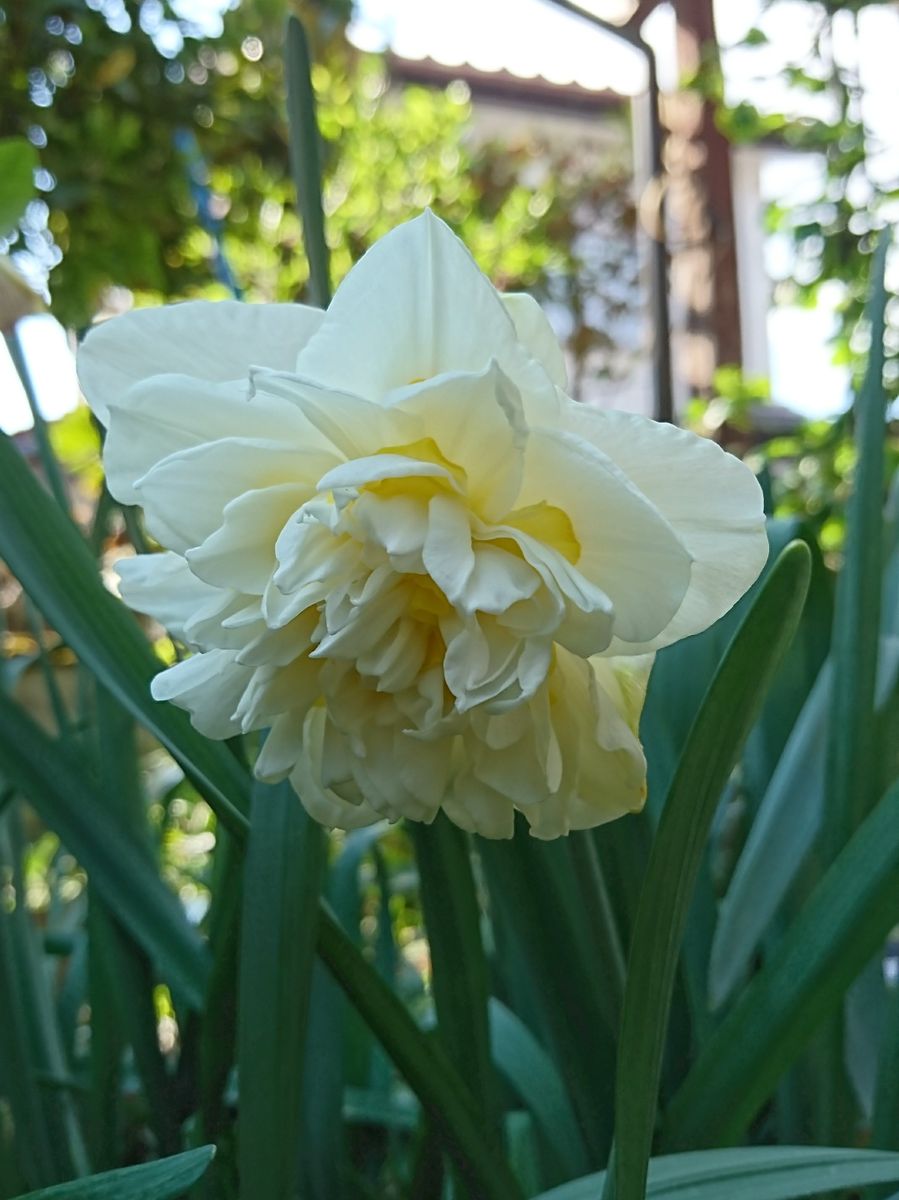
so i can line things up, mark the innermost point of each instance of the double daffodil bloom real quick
(394, 541)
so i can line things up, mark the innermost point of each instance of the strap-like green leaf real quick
(282, 881)
(305, 159)
(122, 872)
(459, 969)
(549, 970)
(715, 741)
(753, 1173)
(533, 1075)
(421, 1061)
(840, 929)
(164, 1180)
(43, 550)
(851, 758)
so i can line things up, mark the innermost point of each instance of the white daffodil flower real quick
(395, 542)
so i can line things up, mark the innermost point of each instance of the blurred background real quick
(161, 174)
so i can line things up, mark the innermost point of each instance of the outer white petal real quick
(208, 340)
(537, 335)
(414, 306)
(184, 496)
(628, 549)
(710, 498)
(168, 413)
(163, 587)
(209, 686)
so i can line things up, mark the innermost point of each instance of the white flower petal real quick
(240, 554)
(184, 496)
(209, 686)
(536, 334)
(280, 750)
(361, 471)
(711, 499)
(320, 802)
(414, 306)
(498, 580)
(163, 587)
(353, 425)
(477, 422)
(627, 548)
(212, 341)
(447, 554)
(478, 808)
(596, 722)
(169, 413)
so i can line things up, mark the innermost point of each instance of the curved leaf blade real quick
(840, 929)
(532, 1073)
(283, 872)
(57, 571)
(164, 1180)
(122, 872)
(459, 969)
(722, 725)
(754, 1173)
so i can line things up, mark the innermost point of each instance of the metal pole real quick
(663, 398)
(661, 345)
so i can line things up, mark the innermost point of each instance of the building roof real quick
(504, 87)
(525, 39)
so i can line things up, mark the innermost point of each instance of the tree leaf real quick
(18, 161)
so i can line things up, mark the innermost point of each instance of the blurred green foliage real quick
(18, 161)
(164, 167)
(831, 232)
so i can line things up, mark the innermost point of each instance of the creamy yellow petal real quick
(711, 500)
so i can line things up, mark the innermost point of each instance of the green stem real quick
(602, 924)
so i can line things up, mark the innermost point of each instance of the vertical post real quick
(711, 168)
(663, 402)
(661, 319)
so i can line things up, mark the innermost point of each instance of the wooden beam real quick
(703, 164)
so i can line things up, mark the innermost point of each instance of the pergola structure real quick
(690, 169)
